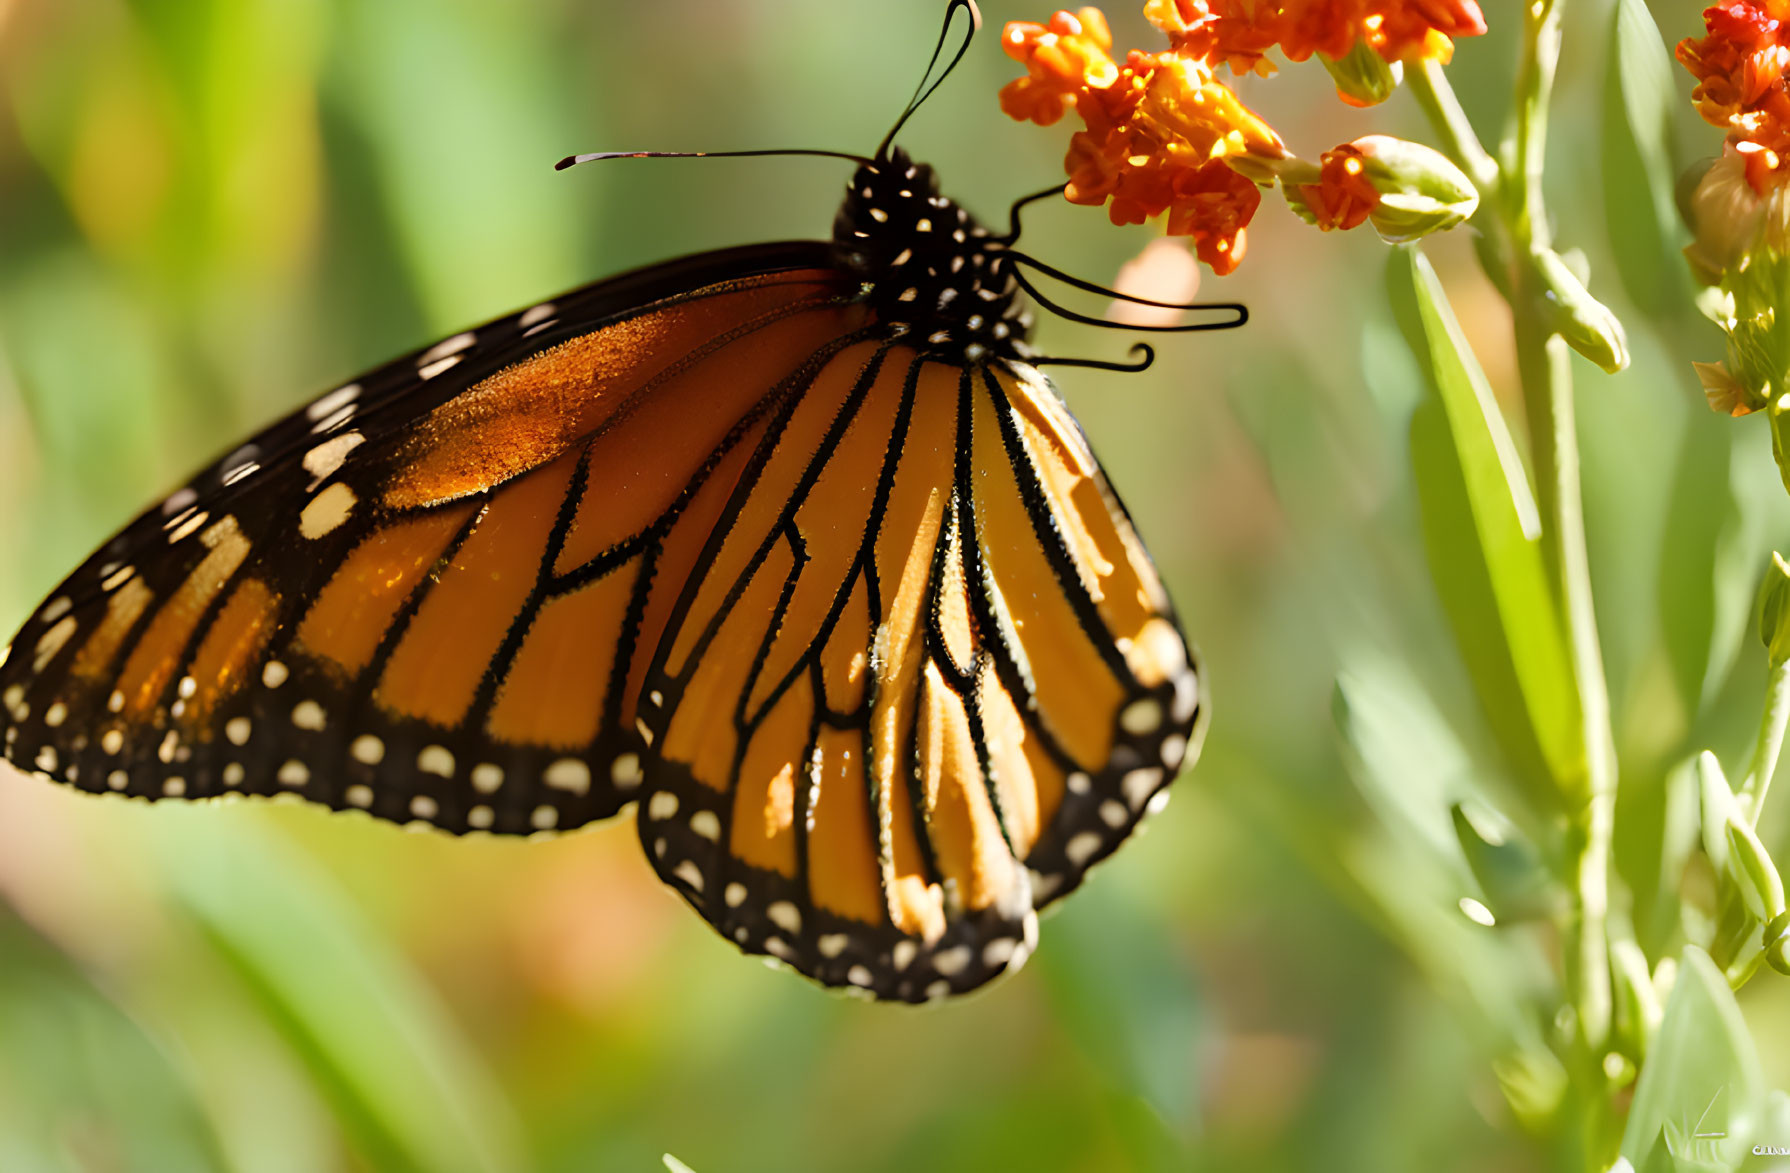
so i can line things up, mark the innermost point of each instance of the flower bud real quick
(1585, 322)
(1718, 808)
(1362, 76)
(1777, 943)
(1407, 190)
(1420, 190)
(1753, 872)
(1638, 1007)
(1774, 610)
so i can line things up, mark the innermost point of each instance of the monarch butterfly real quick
(788, 546)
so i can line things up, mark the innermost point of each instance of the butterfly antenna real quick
(924, 91)
(1239, 312)
(574, 160)
(1140, 363)
(1021, 204)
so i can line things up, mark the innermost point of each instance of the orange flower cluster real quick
(1741, 82)
(1240, 32)
(1342, 197)
(1162, 134)
(1159, 128)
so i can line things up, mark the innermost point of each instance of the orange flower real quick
(1740, 70)
(1342, 197)
(1060, 58)
(1240, 32)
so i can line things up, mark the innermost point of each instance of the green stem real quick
(1429, 85)
(1771, 740)
(1518, 214)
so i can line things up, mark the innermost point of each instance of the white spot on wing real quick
(435, 759)
(323, 460)
(625, 771)
(326, 511)
(367, 749)
(430, 370)
(569, 774)
(335, 401)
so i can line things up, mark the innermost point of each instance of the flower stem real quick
(1429, 85)
(1545, 363)
(1518, 215)
(1771, 740)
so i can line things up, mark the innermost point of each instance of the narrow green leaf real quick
(1481, 529)
(1639, 103)
(81, 1084)
(1701, 1091)
(407, 1090)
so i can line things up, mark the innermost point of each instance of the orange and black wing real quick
(432, 593)
(923, 678)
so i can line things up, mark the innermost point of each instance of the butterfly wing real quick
(925, 678)
(430, 593)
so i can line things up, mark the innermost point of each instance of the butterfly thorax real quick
(929, 269)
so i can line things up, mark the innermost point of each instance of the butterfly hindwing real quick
(924, 680)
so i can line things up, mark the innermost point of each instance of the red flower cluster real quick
(1740, 69)
(1240, 32)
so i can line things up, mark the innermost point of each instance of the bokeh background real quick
(212, 209)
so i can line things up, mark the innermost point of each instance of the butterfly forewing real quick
(421, 595)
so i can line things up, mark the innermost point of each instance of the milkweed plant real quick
(1605, 994)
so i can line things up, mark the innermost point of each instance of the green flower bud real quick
(1420, 190)
(1774, 610)
(1752, 871)
(1719, 808)
(1777, 943)
(1362, 76)
(1585, 322)
(1638, 1006)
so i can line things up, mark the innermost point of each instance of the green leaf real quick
(1131, 1004)
(81, 1084)
(1482, 531)
(407, 1090)
(1640, 100)
(1701, 1091)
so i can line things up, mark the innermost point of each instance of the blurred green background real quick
(212, 209)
